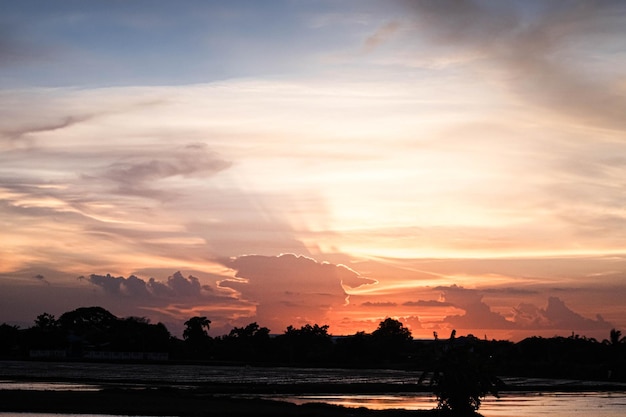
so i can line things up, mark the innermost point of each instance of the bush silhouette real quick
(461, 376)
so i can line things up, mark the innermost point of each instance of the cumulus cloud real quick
(290, 289)
(527, 316)
(412, 322)
(477, 313)
(297, 272)
(557, 315)
(176, 286)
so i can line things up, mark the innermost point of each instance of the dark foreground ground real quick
(174, 402)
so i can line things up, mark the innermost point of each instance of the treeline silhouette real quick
(80, 333)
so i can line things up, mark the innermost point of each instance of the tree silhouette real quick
(309, 343)
(87, 327)
(615, 338)
(46, 321)
(252, 330)
(616, 344)
(391, 329)
(9, 339)
(391, 340)
(196, 335)
(196, 328)
(461, 369)
(85, 318)
(461, 377)
(137, 334)
(356, 349)
(251, 342)
(46, 333)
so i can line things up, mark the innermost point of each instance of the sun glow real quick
(471, 181)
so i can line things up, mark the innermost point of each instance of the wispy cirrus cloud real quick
(427, 303)
(139, 174)
(538, 51)
(382, 35)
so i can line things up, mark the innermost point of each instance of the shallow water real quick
(596, 404)
(87, 373)
(47, 386)
(2, 414)
(189, 375)
(567, 404)
(93, 376)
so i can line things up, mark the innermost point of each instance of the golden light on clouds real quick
(465, 168)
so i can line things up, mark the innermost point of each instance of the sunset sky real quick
(450, 164)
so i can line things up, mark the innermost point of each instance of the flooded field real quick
(560, 401)
(532, 404)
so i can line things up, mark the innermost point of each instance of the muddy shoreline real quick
(174, 402)
(235, 400)
(210, 391)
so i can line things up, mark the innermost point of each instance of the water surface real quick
(3, 414)
(595, 404)
(78, 376)
(555, 404)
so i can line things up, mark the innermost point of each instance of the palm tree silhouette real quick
(615, 338)
(616, 344)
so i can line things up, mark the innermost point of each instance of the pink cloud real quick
(527, 316)
(477, 313)
(290, 289)
(176, 286)
(557, 316)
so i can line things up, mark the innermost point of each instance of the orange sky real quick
(449, 164)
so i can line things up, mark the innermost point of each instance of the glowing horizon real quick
(460, 164)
